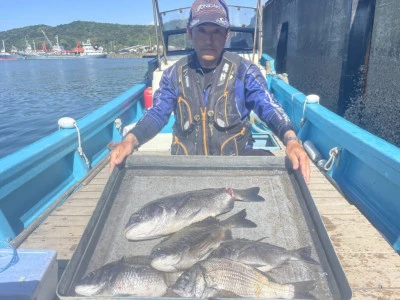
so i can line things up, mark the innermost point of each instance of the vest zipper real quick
(204, 128)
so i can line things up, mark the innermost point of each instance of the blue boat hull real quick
(38, 177)
(35, 177)
(367, 169)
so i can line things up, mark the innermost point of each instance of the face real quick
(208, 41)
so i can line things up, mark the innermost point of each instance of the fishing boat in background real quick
(92, 51)
(4, 55)
(84, 50)
(355, 179)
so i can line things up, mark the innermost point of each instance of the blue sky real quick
(21, 13)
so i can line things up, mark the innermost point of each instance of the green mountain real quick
(112, 37)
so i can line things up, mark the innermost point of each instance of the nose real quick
(209, 38)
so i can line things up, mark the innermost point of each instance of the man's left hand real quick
(299, 158)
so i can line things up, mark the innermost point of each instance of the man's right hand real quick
(122, 150)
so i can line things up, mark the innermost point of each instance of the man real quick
(212, 93)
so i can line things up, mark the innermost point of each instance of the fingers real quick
(299, 159)
(114, 158)
(305, 168)
(117, 155)
(122, 150)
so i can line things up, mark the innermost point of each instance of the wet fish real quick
(191, 244)
(213, 275)
(261, 255)
(172, 213)
(128, 276)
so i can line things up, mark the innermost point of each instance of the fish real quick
(184, 248)
(261, 255)
(170, 214)
(209, 277)
(131, 275)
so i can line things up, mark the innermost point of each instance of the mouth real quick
(208, 49)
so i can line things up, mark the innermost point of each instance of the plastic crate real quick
(33, 274)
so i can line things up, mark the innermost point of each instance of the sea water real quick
(34, 94)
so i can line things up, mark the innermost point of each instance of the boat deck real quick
(370, 263)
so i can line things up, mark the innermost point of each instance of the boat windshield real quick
(242, 20)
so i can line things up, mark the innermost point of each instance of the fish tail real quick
(239, 220)
(305, 255)
(302, 289)
(248, 195)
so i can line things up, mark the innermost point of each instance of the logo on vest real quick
(223, 76)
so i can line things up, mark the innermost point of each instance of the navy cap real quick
(209, 11)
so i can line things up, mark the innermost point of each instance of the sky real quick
(22, 13)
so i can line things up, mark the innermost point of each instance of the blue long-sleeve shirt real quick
(251, 94)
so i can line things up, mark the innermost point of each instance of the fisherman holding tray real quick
(212, 93)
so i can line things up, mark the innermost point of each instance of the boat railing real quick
(54, 160)
(363, 164)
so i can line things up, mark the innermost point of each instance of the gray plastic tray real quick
(288, 218)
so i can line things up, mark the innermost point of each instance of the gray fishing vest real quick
(215, 129)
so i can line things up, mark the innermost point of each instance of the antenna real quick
(51, 45)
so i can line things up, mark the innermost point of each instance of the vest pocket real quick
(225, 114)
(178, 148)
(184, 115)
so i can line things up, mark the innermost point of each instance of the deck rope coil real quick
(8, 255)
(333, 154)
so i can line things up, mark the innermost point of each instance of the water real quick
(34, 94)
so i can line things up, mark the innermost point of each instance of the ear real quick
(227, 35)
(189, 32)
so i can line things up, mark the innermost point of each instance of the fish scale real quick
(243, 281)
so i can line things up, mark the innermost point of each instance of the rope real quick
(118, 125)
(333, 153)
(79, 149)
(309, 99)
(7, 258)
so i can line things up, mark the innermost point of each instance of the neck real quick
(209, 64)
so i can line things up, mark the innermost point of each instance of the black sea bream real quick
(191, 244)
(172, 213)
(213, 275)
(128, 276)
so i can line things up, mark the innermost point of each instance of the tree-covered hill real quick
(112, 37)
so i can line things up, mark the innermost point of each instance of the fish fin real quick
(248, 195)
(228, 235)
(263, 268)
(304, 254)
(260, 239)
(209, 293)
(239, 220)
(194, 213)
(302, 289)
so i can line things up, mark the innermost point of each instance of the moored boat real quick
(369, 176)
(84, 50)
(92, 51)
(6, 55)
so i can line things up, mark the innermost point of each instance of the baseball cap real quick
(209, 11)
